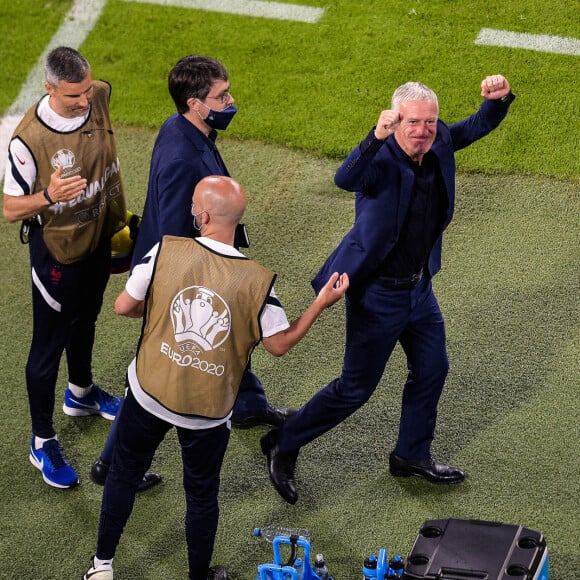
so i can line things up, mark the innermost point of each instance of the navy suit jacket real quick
(181, 158)
(383, 186)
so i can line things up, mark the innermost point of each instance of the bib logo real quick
(65, 158)
(200, 318)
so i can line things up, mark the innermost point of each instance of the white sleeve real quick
(20, 170)
(273, 318)
(140, 278)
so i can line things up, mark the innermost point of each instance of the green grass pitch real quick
(307, 93)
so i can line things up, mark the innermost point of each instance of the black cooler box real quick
(456, 549)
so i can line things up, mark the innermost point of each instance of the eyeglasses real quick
(223, 98)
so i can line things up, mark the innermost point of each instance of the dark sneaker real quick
(217, 573)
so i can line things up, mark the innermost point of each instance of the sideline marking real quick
(77, 24)
(540, 42)
(275, 10)
(82, 18)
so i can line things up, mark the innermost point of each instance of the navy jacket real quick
(181, 158)
(383, 186)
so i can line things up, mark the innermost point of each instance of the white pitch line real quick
(275, 10)
(77, 24)
(540, 42)
(82, 18)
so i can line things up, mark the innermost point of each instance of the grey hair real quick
(65, 64)
(413, 91)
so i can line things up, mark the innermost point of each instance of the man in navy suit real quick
(184, 153)
(403, 174)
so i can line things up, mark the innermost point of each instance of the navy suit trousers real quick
(375, 321)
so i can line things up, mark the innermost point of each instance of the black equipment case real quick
(456, 549)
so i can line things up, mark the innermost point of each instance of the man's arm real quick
(498, 97)
(126, 305)
(22, 207)
(356, 172)
(131, 301)
(281, 342)
(176, 183)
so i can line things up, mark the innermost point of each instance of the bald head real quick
(223, 202)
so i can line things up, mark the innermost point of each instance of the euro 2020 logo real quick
(199, 317)
(64, 158)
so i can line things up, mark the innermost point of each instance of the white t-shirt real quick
(272, 320)
(21, 167)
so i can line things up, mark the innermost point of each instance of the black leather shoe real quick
(280, 467)
(100, 469)
(217, 573)
(270, 416)
(429, 469)
(99, 472)
(149, 480)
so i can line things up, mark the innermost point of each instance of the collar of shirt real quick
(219, 247)
(63, 124)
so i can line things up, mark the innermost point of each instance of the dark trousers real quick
(250, 398)
(375, 322)
(139, 433)
(66, 301)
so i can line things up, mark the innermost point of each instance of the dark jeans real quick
(139, 433)
(375, 321)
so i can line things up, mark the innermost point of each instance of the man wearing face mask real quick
(184, 153)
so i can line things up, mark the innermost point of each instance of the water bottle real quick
(299, 567)
(369, 569)
(320, 568)
(268, 533)
(396, 564)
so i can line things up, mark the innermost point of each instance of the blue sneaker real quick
(97, 402)
(55, 468)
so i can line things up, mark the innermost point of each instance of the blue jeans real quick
(376, 320)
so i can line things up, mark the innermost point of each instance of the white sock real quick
(39, 442)
(98, 562)
(80, 392)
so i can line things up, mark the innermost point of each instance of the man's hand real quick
(333, 290)
(281, 342)
(494, 87)
(23, 207)
(65, 189)
(387, 123)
